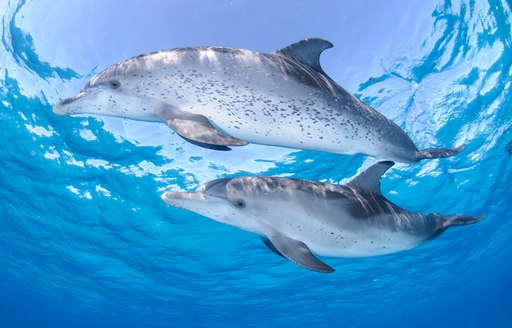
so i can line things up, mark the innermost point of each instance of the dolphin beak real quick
(64, 107)
(181, 199)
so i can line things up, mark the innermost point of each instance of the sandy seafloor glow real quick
(85, 240)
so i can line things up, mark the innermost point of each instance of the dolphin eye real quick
(114, 84)
(240, 203)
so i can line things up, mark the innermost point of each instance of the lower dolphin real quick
(297, 218)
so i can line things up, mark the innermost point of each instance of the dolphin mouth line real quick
(60, 108)
(69, 100)
(185, 199)
(178, 195)
(178, 198)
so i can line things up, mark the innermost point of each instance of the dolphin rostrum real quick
(218, 97)
(297, 218)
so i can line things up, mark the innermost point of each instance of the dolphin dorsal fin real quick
(306, 51)
(369, 179)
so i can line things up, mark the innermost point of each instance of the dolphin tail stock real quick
(438, 152)
(456, 219)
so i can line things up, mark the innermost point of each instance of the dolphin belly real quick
(297, 132)
(348, 237)
(369, 243)
(262, 102)
(333, 223)
(281, 117)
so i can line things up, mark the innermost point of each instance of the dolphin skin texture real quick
(219, 97)
(297, 218)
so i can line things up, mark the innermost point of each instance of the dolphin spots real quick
(215, 97)
(509, 148)
(300, 218)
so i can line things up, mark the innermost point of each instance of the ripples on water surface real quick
(86, 241)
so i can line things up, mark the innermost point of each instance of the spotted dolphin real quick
(219, 97)
(297, 218)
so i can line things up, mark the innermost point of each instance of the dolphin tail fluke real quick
(456, 220)
(460, 219)
(438, 152)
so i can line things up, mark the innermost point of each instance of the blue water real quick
(85, 240)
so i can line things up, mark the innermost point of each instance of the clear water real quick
(85, 240)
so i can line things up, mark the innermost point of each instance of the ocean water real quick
(85, 240)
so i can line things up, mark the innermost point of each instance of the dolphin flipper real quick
(197, 129)
(297, 252)
(205, 145)
(271, 246)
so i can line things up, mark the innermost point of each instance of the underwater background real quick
(86, 241)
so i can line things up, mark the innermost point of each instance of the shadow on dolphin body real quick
(217, 97)
(299, 218)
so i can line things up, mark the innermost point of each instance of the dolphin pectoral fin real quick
(369, 179)
(271, 246)
(197, 129)
(205, 145)
(297, 252)
(306, 51)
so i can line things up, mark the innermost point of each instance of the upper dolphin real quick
(217, 97)
(297, 218)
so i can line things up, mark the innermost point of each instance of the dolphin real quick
(218, 97)
(297, 218)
